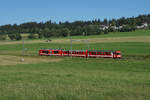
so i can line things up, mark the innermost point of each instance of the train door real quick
(87, 54)
(112, 54)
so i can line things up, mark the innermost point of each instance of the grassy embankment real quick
(59, 78)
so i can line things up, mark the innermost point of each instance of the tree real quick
(32, 36)
(3, 36)
(47, 33)
(149, 26)
(15, 36)
(105, 22)
(18, 36)
(106, 31)
(53, 29)
(128, 28)
(65, 32)
(11, 36)
(113, 22)
(40, 35)
(122, 21)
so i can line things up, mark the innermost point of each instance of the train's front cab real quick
(117, 54)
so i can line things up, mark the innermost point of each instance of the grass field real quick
(66, 78)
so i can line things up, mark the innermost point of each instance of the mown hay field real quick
(66, 78)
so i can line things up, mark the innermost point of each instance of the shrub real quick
(32, 36)
(16, 36)
(3, 37)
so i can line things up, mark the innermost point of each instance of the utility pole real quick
(22, 59)
(87, 42)
(22, 46)
(71, 44)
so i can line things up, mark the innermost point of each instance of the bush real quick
(11, 36)
(3, 37)
(106, 31)
(40, 35)
(149, 26)
(16, 36)
(32, 36)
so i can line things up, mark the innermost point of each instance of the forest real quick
(50, 29)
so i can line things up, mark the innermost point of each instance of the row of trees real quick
(63, 29)
(16, 36)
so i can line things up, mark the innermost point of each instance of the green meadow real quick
(70, 78)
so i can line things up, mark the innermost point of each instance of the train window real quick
(82, 52)
(55, 52)
(93, 53)
(98, 53)
(46, 52)
(66, 52)
(107, 53)
(117, 53)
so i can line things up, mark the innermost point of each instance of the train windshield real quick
(118, 53)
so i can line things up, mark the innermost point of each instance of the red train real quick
(81, 53)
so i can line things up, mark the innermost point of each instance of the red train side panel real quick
(100, 54)
(77, 53)
(80, 53)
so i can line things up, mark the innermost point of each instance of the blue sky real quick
(20, 11)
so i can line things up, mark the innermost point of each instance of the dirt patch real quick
(20, 42)
(14, 60)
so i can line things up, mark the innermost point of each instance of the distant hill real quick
(63, 29)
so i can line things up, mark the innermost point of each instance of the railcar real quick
(81, 53)
(50, 52)
(78, 53)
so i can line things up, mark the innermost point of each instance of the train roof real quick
(62, 49)
(101, 50)
(80, 50)
(50, 49)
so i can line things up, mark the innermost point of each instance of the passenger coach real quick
(81, 53)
